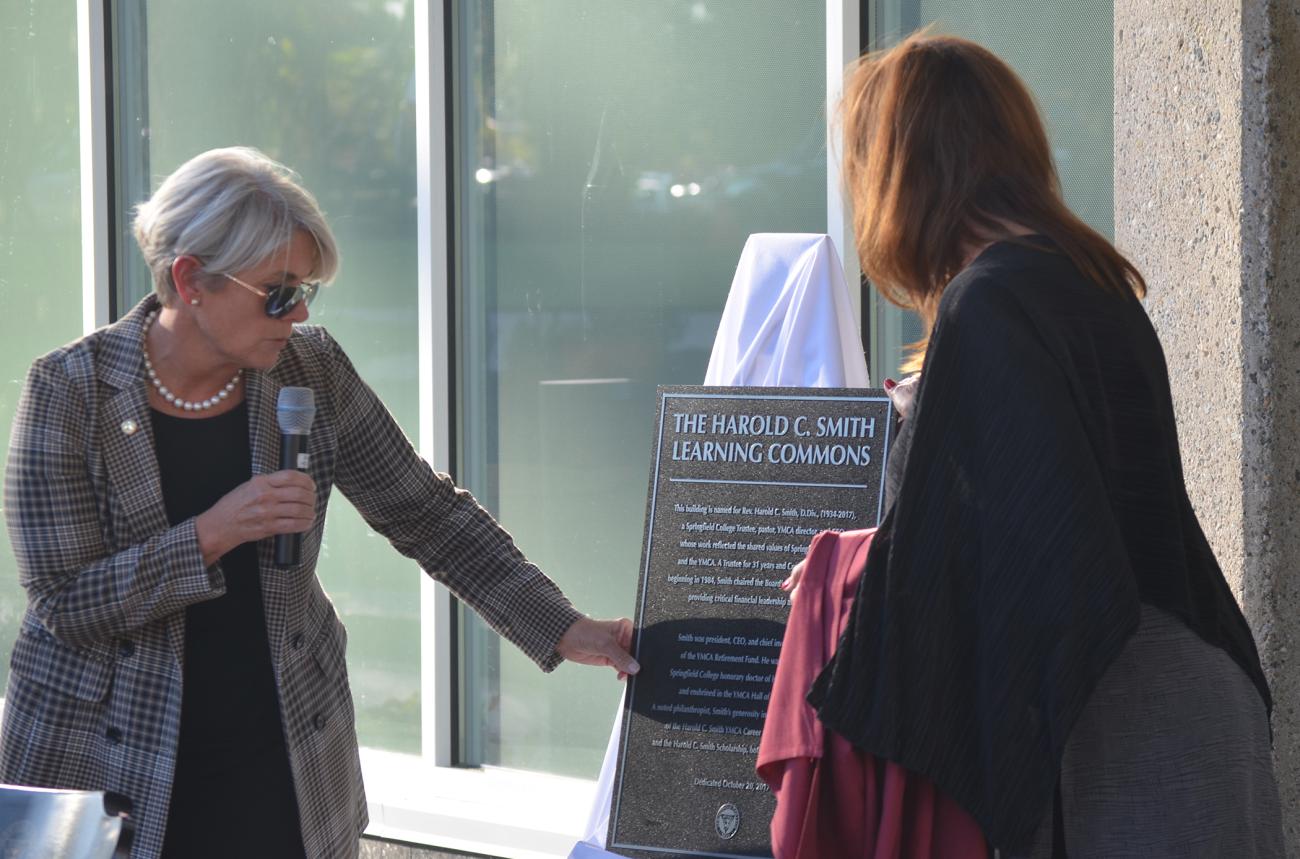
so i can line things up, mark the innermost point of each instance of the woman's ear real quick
(186, 271)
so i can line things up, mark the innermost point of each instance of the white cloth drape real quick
(789, 321)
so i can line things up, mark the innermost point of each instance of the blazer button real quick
(297, 640)
(318, 721)
(126, 648)
(114, 735)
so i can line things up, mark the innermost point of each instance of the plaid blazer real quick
(94, 694)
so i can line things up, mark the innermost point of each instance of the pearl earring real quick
(194, 301)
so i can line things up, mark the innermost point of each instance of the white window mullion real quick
(842, 29)
(436, 674)
(92, 91)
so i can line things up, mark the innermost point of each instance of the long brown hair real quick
(943, 149)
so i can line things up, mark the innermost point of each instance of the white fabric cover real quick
(789, 319)
(788, 322)
(593, 836)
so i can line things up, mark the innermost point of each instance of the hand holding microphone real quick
(294, 411)
(280, 505)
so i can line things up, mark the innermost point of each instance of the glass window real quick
(330, 95)
(611, 159)
(1064, 52)
(40, 226)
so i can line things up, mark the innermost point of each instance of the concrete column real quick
(1207, 204)
(374, 848)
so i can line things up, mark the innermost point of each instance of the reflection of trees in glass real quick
(349, 103)
(40, 188)
(658, 102)
(40, 228)
(615, 157)
(633, 127)
(1064, 52)
(328, 89)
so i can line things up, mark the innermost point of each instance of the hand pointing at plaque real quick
(600, 642)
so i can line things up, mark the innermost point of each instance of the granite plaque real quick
(742, 479)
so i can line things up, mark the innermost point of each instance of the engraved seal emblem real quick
(727, 821)
(15, 840)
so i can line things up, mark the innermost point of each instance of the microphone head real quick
(295, 410)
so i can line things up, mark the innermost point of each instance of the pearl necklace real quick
(171, 398)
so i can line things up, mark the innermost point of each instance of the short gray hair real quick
(232, 209)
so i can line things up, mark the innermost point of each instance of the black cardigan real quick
(1042, 501)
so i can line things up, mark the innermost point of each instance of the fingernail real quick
(634, 667)
(785, 585)
(890, 384)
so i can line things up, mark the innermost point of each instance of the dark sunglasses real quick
(281, 299)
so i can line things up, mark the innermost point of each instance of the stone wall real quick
(1207, 204)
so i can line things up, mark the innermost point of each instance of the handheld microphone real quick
(294, 411)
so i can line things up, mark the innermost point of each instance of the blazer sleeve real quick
(79, 589)
(429, 519)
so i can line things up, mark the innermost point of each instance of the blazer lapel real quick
(261, 392)
(126, 431)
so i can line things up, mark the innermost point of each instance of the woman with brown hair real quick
(1042, 629)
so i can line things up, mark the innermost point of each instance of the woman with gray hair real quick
(163, 654)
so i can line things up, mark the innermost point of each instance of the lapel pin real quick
(129, 427)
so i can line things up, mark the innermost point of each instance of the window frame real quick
(421, 799)
(94, 68)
